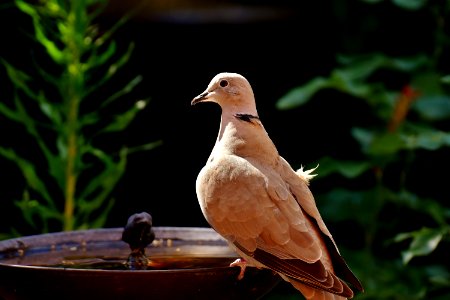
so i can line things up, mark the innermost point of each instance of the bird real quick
(252, 197)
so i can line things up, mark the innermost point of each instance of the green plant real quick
(404, 231)
(64, 110)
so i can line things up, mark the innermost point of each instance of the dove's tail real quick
(314, 294)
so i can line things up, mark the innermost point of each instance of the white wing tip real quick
(306, 174)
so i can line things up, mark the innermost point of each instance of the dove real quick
(251, 196)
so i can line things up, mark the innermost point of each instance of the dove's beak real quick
(203, 96)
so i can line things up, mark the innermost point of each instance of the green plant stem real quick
(71, 178)
(75, 85)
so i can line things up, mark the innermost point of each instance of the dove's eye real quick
(223, 83)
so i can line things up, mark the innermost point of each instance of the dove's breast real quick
(230, 187)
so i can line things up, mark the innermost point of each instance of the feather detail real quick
(306, 174)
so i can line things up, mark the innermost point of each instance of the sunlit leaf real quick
(429, 140)
(433, 108)
(56, 54)
(445, 79)
(424, 241)
(50, 110)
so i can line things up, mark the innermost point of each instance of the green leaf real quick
(112, 70)
(52, 50)
(374, 143)
(352, 78)
(359, 68)
(349, 169)
(29, 173)
(19, 79)
(144, 147)
(424, 242)
(407, 64)
(410, 4)
(50, 110)
(94, 194)
(348, 81)
(301, 95)
(363, 136)
(101, 59)
(428, 83)
(366, 64)
(445, 79)
(386, 144)
(125, 90)
(100, 221)
(428, 140)
(433, 107)
(421, 205)
(439, 275)
(122, 120)
(32, 208)
(9, 113)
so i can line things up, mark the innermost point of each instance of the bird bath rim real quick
(19, 281)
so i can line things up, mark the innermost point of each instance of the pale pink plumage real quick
(251, 196)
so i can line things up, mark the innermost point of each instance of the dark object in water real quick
(138, 234)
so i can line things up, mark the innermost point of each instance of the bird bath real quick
(185, 263)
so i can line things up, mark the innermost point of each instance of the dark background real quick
(276, 45)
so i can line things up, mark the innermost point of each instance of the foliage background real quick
(386, 202)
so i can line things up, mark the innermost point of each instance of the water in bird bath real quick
(93, 264)
(155, 263)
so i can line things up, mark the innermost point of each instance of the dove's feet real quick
(241, 263)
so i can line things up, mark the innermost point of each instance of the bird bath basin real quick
(185, 263)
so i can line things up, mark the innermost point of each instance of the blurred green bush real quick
(64, 110)
(404, 248)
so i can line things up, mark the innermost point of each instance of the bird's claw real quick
(241, 263)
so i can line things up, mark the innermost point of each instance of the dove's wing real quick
(299, 189)
(262, 218)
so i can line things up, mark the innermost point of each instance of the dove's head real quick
(231, 91)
